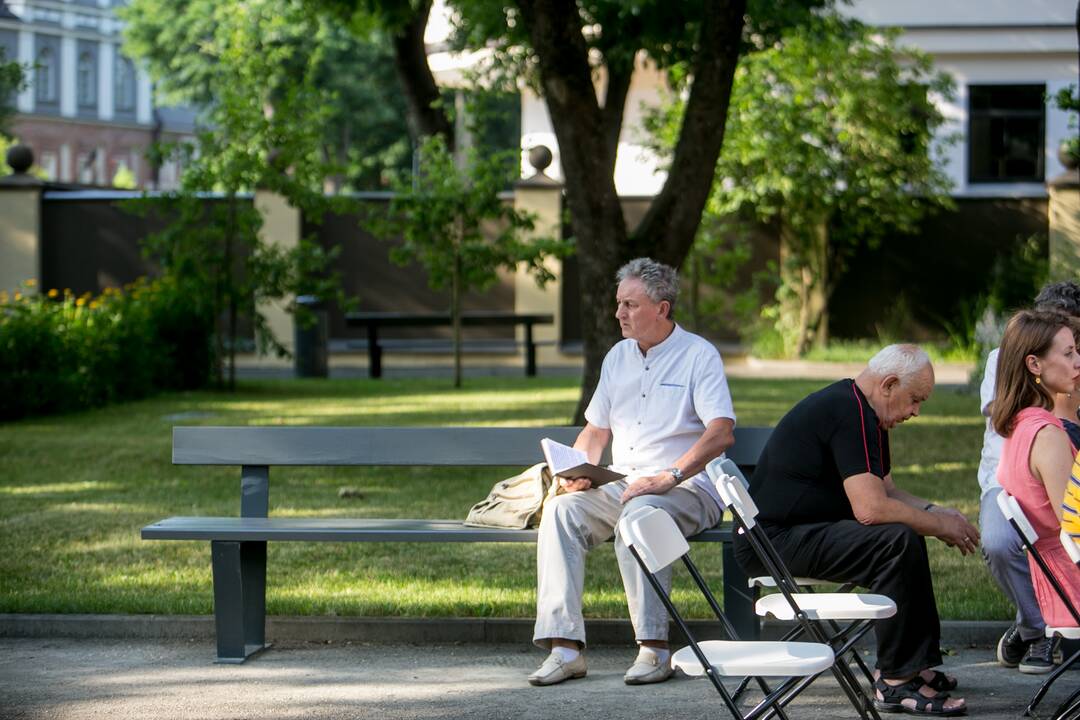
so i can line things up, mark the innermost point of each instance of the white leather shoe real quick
(647, 668)
(554, 670)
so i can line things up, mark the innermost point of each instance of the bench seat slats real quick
(348, 530)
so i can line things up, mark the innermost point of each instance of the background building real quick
(1008, 59)
(88, 112)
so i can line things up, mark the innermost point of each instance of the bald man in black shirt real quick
(825, 495)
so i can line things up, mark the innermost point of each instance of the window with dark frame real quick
(86, 80)
(1006, 133)
(45, 75)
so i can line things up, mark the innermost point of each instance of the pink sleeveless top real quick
(1014, 474)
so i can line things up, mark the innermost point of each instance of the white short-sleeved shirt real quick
(992, 442)
(658, 404)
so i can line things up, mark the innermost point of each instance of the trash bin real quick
(311, 336)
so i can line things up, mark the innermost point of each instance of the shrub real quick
(60, 353)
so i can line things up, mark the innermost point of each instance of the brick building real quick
(88, 112)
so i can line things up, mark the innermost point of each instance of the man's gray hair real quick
(902, 360)
(1063, 297)
(661, 281)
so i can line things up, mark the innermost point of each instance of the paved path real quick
(141, 679)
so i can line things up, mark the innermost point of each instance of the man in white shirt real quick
(1023, 645)
(664, 404)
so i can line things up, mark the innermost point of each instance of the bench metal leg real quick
(530, 351)
(739, 599)
(239, 599)
(374, 352)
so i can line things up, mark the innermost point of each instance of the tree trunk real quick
(455, 316)
(425, 114)
(587, 139)
(667, 232)
(804, 271)
(230, 240)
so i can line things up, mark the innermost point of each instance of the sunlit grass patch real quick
(76, 489)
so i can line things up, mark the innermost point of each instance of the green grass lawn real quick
(74, 491)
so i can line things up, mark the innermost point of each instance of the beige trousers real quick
(573, 524)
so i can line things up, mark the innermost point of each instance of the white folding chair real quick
(811, 610)
(1012, 511)
(726, 466)
(655, 541)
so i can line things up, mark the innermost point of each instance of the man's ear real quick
(665, 309)
(889, 383)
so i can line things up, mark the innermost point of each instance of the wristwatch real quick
(676, 473)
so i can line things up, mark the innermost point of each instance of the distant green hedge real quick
(60, 353)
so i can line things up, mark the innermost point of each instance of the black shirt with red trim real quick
(831, 435)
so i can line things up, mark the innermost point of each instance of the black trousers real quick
(888, 559)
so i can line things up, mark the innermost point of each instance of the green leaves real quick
(274, 75)
(445, 212)
(830, 135)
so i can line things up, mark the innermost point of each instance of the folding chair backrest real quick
(655, 537)
(733, 494)
(728, 466)
(1011, 510)
(1071, 547)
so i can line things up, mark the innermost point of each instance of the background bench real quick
(238, 544)
(372, 321)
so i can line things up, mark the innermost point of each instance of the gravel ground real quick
(138, 679)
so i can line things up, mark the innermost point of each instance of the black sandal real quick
(894, 695)
(940, 682)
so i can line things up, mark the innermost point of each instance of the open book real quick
(564, 461)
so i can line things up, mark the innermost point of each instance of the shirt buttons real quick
(642, 394)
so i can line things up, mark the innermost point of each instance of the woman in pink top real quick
(1037, 360)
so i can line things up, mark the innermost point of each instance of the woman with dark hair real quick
(1038, 360)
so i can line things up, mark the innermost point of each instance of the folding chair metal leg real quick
(710, 672)
(1045, 687)
(729, 629)
(1069, 709)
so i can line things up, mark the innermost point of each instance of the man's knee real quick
(636, 503)
(1001, 547)
(902, 541)
(565, 511)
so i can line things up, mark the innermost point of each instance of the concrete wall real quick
(20, 230)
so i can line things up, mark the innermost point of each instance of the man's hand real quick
(575, 484)
(956, 531)
(650, 485)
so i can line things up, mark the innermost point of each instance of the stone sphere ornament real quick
(540, 157)
(20, 158)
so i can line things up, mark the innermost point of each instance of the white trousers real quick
(574, 523)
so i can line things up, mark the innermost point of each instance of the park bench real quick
(372, 321)
(238, 544)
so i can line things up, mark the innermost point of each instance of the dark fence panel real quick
(937, 271)
(383, 286)
(90, 241)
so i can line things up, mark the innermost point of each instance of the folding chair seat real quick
(1069, 709)
(655, 542)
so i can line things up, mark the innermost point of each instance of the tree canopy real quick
(832, 134)
(199, 50)
(559, 46)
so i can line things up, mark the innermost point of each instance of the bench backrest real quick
(379, 446)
